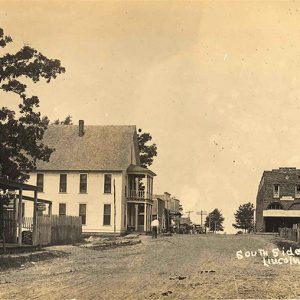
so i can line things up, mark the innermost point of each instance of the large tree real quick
(214, 221)
(147, 151)
(21, 132)
(244, 217)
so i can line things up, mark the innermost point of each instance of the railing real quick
(138, 194)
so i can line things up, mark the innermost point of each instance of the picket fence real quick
(290, 234)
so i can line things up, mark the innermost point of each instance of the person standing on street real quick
(154, 226)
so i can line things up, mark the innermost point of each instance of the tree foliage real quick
(66, 121)
(244, 217)
(147, 151)
(214, 221)
(22, 132)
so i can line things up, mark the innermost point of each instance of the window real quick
(275, 205)
(40, 182)
(276, 191)
(63, 183)
(83, 183)
(62, 209)
(297, 191)
(107, 183)
(106, 214)
(82, 213)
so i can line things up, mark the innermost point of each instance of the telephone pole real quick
(201, 213)
(189, 213)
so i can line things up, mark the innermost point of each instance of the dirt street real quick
(178, 267)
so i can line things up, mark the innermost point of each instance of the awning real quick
(32, 199)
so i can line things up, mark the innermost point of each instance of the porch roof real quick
(134, 169)
(10, 184)
(39, 200)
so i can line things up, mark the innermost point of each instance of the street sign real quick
(10, 205)
(41, 207)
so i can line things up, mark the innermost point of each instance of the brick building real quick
(278, 199)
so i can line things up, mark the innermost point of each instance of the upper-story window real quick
(297, 191)
(276, 190)
(275, 205)
(107, 183)
(40, 182)
(83, 183)
(63, 183)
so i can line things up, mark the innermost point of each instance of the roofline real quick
(147, 171)
(63, 170)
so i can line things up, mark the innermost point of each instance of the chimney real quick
(81, 128)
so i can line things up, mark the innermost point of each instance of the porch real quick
(139, 193)
(139, 216)
(15, 229)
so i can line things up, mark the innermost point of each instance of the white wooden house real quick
(95, 173)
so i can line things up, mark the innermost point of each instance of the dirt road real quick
(178, 267)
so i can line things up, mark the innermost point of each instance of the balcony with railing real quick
(139, 185)
(138, 194)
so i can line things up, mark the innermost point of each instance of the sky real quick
(215, 83)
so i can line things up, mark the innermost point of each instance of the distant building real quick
(278, 199)
(95, 173)
(158, 212)
(168, 210)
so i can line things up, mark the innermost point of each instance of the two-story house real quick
(95, 173)
(278, 199)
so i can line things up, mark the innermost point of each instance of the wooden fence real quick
(290, 234)
(53, 230)
(65, 229)
(9, 226)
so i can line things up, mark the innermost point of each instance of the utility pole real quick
(189, 213)
(201, 213)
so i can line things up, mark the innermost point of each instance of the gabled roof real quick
(100, 148)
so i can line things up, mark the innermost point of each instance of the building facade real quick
(95, 173)
(278, 199)
(167, 210)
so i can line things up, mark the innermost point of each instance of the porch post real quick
(127, 186)
(136, 206)
(34, 230)
(145, 217)
(15, 221)
(151, 185)
(20, 218)
(137, 187)
(146, 196)
(126, 216)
